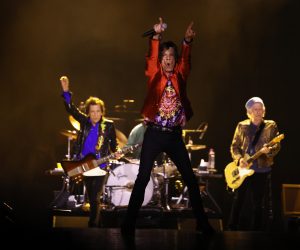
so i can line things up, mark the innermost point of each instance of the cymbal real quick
(121, 138)
(114, 118)
(69, 133)
(74, 122)
(192, 130)
(194, 147)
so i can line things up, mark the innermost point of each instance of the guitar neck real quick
(106, 158)
(113, 155)
(269, 144)
(254, 157)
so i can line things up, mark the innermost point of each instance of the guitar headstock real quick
(278, 138)
(130, 148)
(136, 146)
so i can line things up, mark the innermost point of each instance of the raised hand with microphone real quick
(156, 30)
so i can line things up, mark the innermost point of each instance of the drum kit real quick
(119, 181)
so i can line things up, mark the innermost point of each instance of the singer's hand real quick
(158, 28)
(190, 33)
(64, 83)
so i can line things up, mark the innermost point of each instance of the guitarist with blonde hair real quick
(254, 145)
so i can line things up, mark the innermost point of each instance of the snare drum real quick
(120, 183)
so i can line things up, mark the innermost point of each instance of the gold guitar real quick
(235, 175)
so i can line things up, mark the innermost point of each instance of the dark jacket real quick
(106, 129)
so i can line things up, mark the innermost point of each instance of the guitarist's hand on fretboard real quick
(243, 163)
(119, 154)
(265, 149)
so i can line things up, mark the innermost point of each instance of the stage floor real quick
(149, 217)
(156, 229)
(153, 239)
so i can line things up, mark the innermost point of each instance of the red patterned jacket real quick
(158, 80)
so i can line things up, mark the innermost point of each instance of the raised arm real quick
(190, 33)
(70, 107)
(158, 28)
(64, 80)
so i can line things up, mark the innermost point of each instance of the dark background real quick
(242, 49)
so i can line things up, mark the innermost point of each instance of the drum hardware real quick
(166, 182)
(194, 147)
(156, 199)
(202, 128)
(109, 192)
(72, 135)
(182, 197)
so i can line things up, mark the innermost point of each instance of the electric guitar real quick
(77, 169)
(235, 175)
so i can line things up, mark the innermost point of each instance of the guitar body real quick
(236, 175)
(89, 165)
(76, 169)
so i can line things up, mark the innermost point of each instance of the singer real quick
(166, 110)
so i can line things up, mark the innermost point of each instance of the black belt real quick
(164, 129)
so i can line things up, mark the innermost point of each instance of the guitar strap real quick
(257, 135)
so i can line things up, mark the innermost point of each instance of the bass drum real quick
(120, 184)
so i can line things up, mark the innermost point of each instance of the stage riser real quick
(187, 224)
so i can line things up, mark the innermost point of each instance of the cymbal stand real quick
(185, 189)
(107, 198)
(69, 148)
(181, 197)
(166, 185)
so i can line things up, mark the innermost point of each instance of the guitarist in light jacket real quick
(251, 136)
(97, 136)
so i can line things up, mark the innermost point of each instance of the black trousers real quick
(172, 144)
(256, 184)
(94, 188)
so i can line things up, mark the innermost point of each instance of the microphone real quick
(204, 130)
(152, 31)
